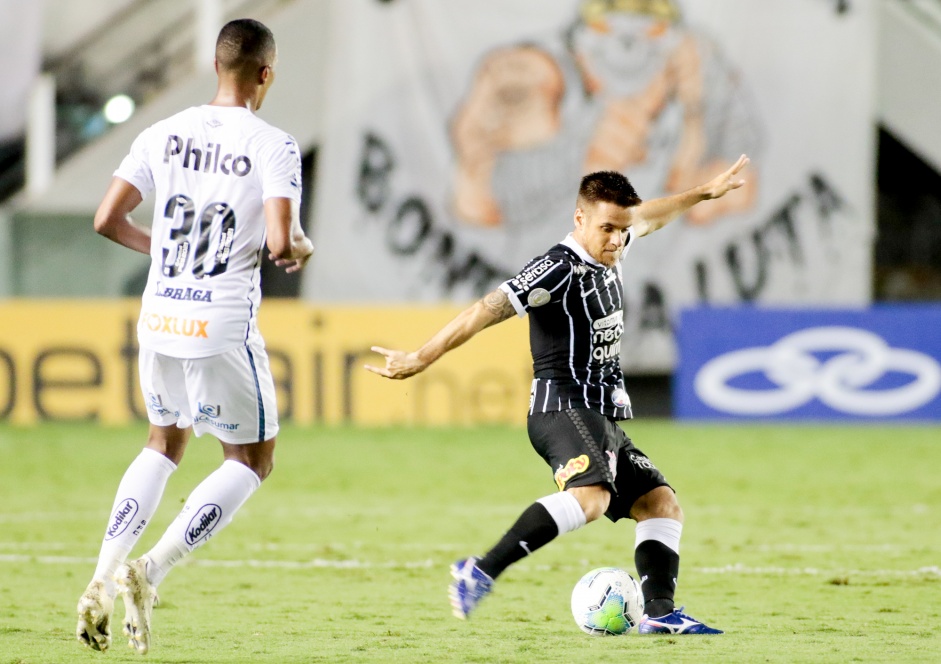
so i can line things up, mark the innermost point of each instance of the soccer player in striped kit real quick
(573, 295)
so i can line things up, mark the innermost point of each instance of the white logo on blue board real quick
(856, 360)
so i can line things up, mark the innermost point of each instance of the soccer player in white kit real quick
(227, 184)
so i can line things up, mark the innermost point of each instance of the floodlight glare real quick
(118, 109)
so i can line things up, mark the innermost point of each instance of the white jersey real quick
(212, 168)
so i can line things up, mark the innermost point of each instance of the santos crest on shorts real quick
(575, 306)
(211, 168)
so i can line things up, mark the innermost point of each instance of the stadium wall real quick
(76, 361)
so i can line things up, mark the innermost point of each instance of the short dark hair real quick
(244, 45)
(608, 187)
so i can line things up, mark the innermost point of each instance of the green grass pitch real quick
(806, 544)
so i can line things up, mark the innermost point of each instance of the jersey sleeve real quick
(629, 243)
(135, 167)
(281, 169)
(542, 281)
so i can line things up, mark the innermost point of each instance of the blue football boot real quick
(470, 585)
(676, 622)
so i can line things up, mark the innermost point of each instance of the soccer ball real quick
(607, 602)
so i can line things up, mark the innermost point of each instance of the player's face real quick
(601, 229)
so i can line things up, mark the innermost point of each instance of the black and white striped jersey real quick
(576, 319)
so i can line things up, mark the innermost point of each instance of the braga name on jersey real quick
(208, 159)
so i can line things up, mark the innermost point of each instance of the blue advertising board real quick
(879, 363)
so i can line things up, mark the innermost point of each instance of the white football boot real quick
(139, 597)
(95, 607)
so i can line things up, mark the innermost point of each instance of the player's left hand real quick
(722, 184)
(399, 364)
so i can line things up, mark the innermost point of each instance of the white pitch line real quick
(208, 562)
(299, 548)
(932, 570)
(321, 563)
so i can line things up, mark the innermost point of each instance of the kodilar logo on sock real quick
(122, 518)
(202, 523)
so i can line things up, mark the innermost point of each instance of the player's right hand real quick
(302, 253)
(399, 364)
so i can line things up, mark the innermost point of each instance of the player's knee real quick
(171, 447)
(261, 467)
(265, 470)
(258, 457)
(661, 503)
(593, 512)
(671, 510)
(594, 501)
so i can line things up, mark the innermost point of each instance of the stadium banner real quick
(458, 131)
(879, 363)
(76, 360)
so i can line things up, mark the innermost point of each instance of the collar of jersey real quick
(573, 244)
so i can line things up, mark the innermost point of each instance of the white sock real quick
(137, 498)
(565, 510)
(208, 510)
(665, 531)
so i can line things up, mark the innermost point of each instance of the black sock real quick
(535, 528)
(658, 566)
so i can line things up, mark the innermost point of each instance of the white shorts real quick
(230, 395)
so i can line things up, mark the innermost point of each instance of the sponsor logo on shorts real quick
(122, 517)
(641, 461)
(156, 405)
(210, 414)
(202, 524)
(574, 467)
(612, 464)
(209, 409)
(179, 327)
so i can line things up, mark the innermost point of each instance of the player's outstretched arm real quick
(288, 246)
(493, 308)
(654, 214)
(113, 222)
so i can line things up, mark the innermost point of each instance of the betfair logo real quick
(179, 327)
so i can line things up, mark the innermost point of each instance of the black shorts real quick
(584, 447)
